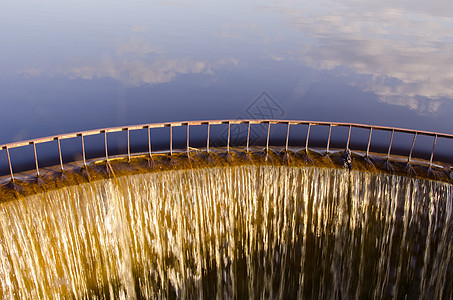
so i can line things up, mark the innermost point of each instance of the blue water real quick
(80, 65)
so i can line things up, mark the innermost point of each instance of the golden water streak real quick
(254, 231)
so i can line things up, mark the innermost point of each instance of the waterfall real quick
(254, 231)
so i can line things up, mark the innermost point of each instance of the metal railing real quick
(310, 124)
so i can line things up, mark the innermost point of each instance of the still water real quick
(79, 65)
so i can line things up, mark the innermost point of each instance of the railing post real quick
(328, 139)
(36, 159)
(171, 139)
(128, 146)
(83, 151)
(432, 151)
(149, 142)
(412, 148)
(9, 163)
(349, 137)
(308, 135)
(287, 137)
(105, 142)
(248, 137)
(188, 146)
(228, 142)
(390, 145)
(268, 133)
(369, 142)
(207, 139)
(59, 153)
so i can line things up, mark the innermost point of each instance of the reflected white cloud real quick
(226, 62)
(402, 49)
(137, 62)
(30, 72)
(138, 72)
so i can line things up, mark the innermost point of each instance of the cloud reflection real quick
(138, 72)
(138, 47)
(401, 49)
(136, 62)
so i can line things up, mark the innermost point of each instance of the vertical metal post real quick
(171, 139)
(328, 139)
(128, 146)
(9, 163)
(268, 133)
(390, 145)
(207, 139)
(59, 152)
(432, 151)
(248, 137)
(287, 137)
(412, 148)
(308, 135)
(36, 159)
(105, 143)
(149, 141)
(369, 142)
(83, 151)
(228, 142)
(187, 148)
(349, 137)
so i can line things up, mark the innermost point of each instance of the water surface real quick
(80, 65)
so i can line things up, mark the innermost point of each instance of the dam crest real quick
(247, 219)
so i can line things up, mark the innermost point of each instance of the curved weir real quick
(286, 216)
(240, 231)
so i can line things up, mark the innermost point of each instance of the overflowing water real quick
(247, 231)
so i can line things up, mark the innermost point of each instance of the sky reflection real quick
(399, 46)
(78, 65)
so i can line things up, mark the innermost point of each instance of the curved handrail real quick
(148, 126)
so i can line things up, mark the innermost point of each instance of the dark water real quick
(79, 65)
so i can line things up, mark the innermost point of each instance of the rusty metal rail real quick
(209, 123)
